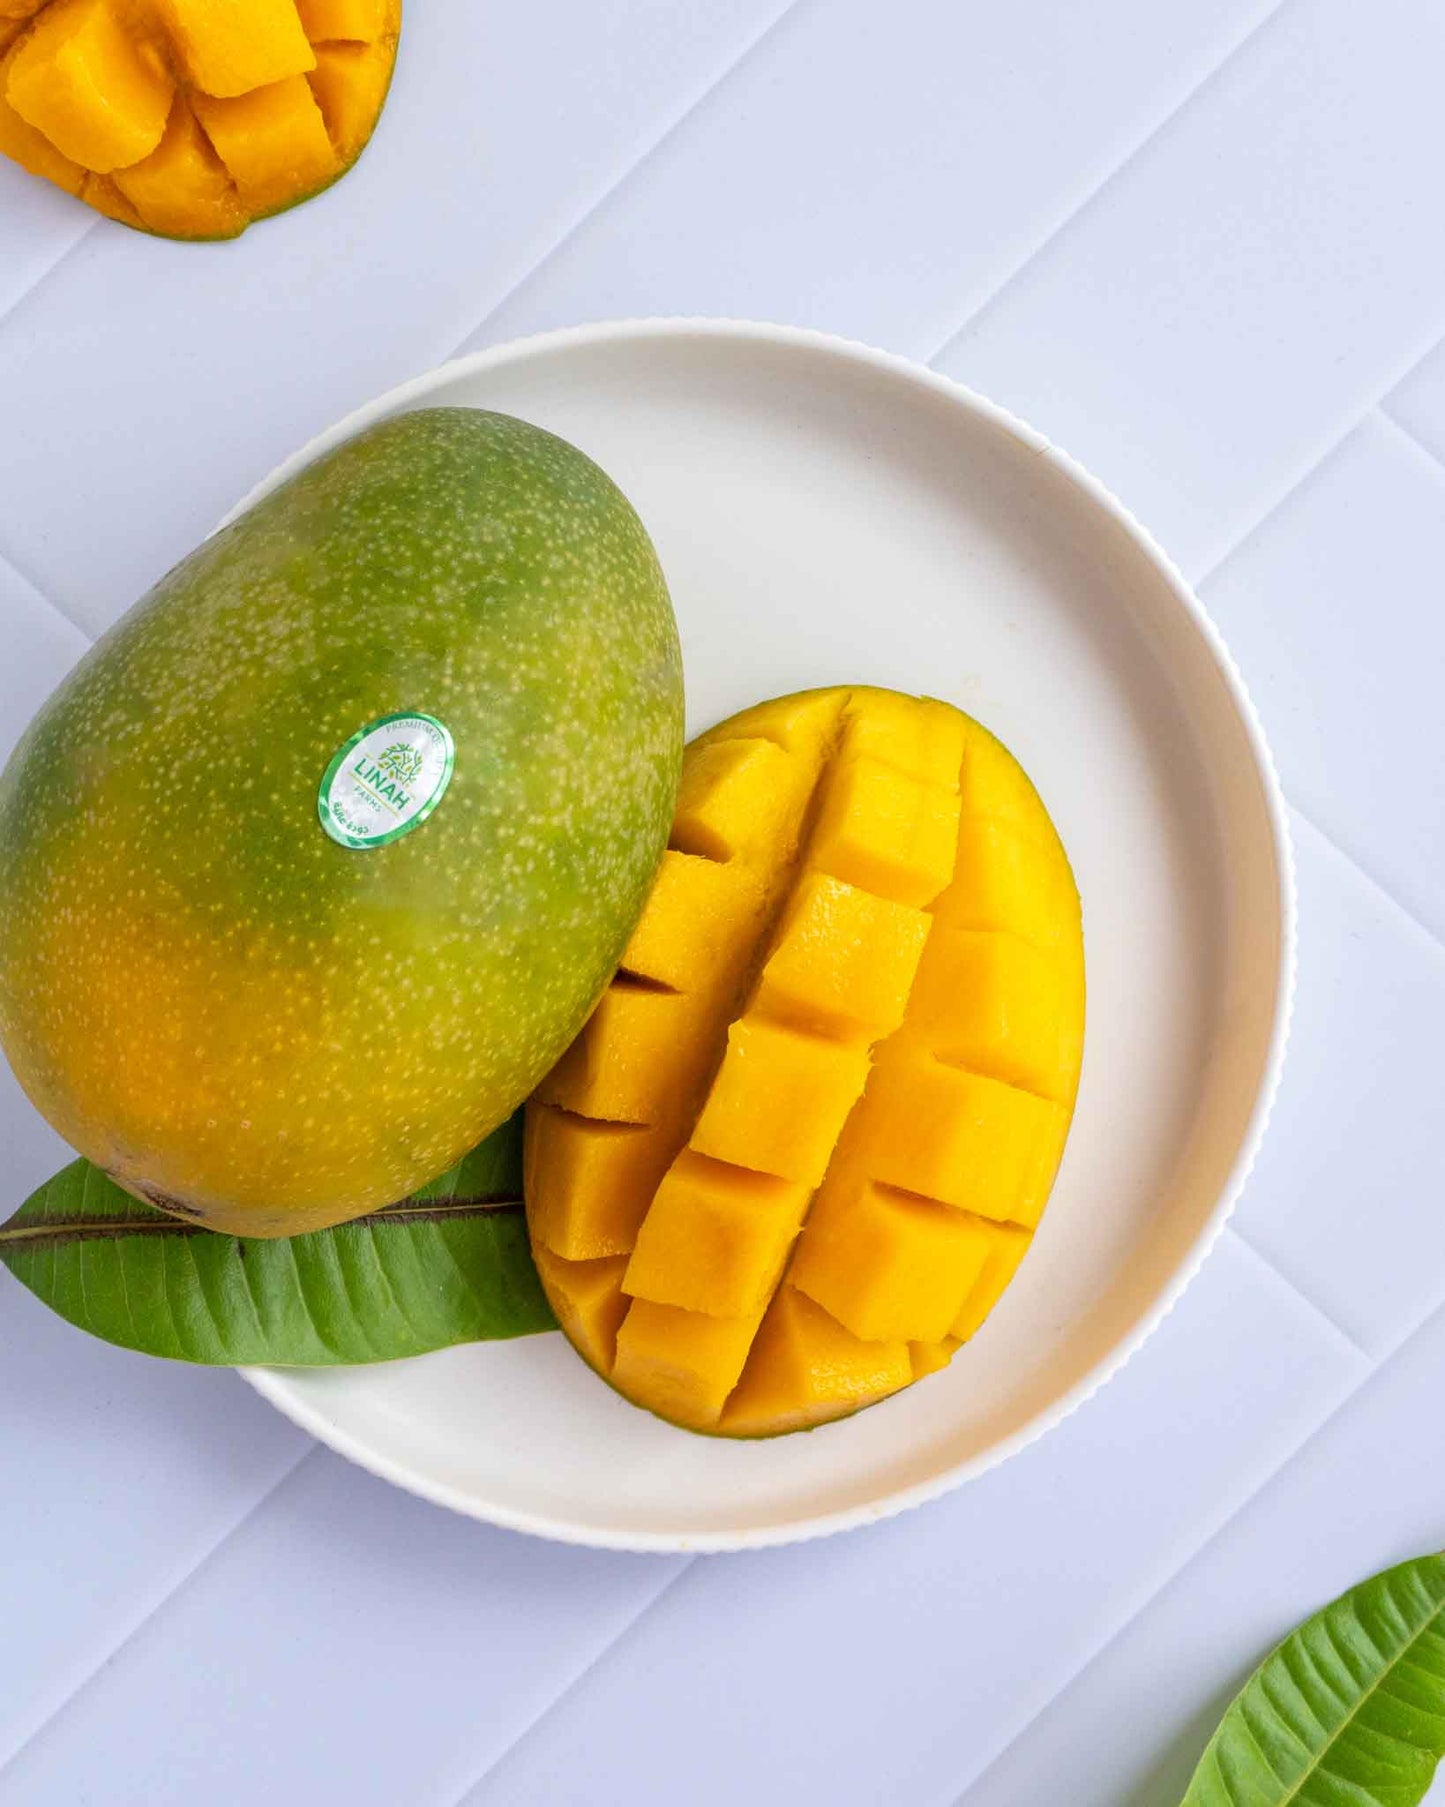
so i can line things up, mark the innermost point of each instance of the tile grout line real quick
(1419, 929)
(1272, 1267)
(1425, 453)
(571, 1685)
(7, 559)
(649, 151)
(1373, 1372)
(1151, 133)
(8, 1759)
(1375, 404)
(37, 282)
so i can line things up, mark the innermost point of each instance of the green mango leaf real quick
(448, 1265)
(1349, 1711)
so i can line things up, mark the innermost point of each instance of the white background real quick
(1199, 243)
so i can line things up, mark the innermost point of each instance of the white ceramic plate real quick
(826, 514)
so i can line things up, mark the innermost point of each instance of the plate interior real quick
(824, 517)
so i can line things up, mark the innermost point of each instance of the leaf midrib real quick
(1317, 1762)
(110, 1229)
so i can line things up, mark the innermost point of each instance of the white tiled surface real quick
(1198, 242)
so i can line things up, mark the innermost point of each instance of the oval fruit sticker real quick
(386, 780)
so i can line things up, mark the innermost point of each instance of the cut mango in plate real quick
(799, 1151)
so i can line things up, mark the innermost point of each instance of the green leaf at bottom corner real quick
(450, 1264)
(1349, 1711)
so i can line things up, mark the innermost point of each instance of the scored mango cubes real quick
(800, 1149)
(191, 118)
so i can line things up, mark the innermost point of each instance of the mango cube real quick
(634, 1058)
(273, 140)
(101, 193)
(1010, 878)
(805, 724)
(354, 21)
(885, 832)
(992, 782)
(914, 735)
(737, 796)
(715, 1238)
(779, 1101)
(962, 1138)
(100, 96)
(888, 1265)
(590, 1304)
(930, 1358)
(681, 1364)
(844, 961)
(350, 83)
(230, 47)
(182, 188)
(1010, 1245)
(588, 1185)
(699, 923)
(998, 1005)
(805, 1368)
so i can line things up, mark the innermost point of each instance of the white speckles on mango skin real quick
(212, 999)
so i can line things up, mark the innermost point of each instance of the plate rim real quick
(276, 1384)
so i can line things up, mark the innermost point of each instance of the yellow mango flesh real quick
(800, 1149)
(273, 141)
(191, 118)
(98, 95)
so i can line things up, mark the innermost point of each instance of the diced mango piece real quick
(929, 1358)
(182, 188)
(886, 1264)
(915, 735)
(844, 961)
(680, 1364)
(779, 1101)
(1010, 1245)
(588, 1185)
(358, 21)
(32, 150)
(635, 1059)
(715, 1238)
(101, 193)
(805, 1368)
(10, 29)
(100, 96)
(272, 140)
(230, 47)
(590, 1304)
(993, 783)
(998, 1005)
(19, 10)
(700, 923)
(350, 83)
(960, 1137)
(805, 724)
(1010, 878)
(738, 796)
(885, 832)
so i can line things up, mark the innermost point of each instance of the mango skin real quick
(240, 1019)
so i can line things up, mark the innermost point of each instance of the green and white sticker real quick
(386, 780)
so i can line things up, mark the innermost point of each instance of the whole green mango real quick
(317, 862)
